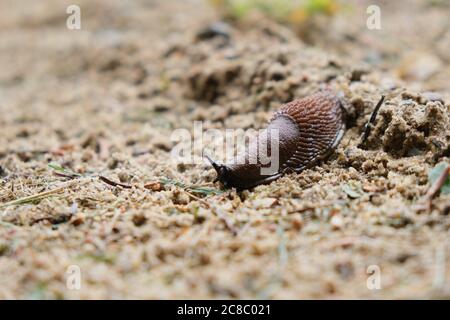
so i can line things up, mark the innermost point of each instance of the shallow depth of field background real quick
(104, 100)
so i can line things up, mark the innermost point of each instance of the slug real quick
(309, 129)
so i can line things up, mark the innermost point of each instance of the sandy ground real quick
(105, 99)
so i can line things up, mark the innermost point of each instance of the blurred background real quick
(413, 40)
(104, 98)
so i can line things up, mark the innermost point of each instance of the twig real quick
(198, 199)
(434, 188)
(39, 196)
(369, 124)
(113, 183)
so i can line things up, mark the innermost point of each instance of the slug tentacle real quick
(220, 169)
(215, 165)
(307, 131)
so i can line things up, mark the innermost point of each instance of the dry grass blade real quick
(40, 195)
(192, 189)
(436, 186)
(63, 172)
(198, 199)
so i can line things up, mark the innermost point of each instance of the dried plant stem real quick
(425, 203)
(206, 204)
(41, 195)
(369, 124)
(114, 183)
(435, 187)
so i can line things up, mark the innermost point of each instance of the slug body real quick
(307, 130)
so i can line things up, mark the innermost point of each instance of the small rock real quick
(337, 222)
(113, 163)
(77, 220)
(345, 270)
(400, 222)
(154, 186)
(73, 208)
(162, 144)
(4, 248)
(218, 113)
(357, 73)
(264, 203)
(297, 222)
(403, 257)
(376, 200)
(139, 219)
(162, 104)
(24, 156)
(123, 177)
(179, 197)
(277, 72)
(87, 156)
(216, 29)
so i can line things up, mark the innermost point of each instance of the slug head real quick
(223, 172)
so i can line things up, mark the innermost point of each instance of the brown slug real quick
(309, 129)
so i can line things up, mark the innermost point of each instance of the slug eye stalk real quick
(220, 169)
(215, 165)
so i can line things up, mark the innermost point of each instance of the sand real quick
(104, 101)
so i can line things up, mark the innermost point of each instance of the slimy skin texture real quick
(309, 129)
